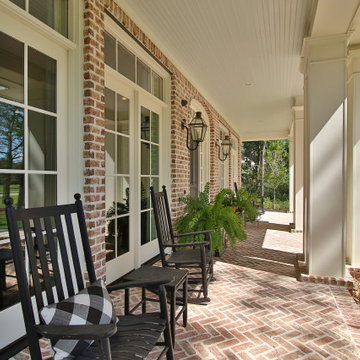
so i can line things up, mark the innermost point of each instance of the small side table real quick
(179, 279)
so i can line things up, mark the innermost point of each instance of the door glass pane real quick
(110, 50)
(126, 62)
(194, 172)
(11, 68)
(8, 284)
(143, 75)
(145, 227)
(11, 137)
(109, 195)
(157, 85)
(123, 187)
(110, 237)
(155, 183)
(109, 109)
(154, 160)
(51, 12)
(145, 158)
(110, 217)
(123, 235)
(145, 193)
(122, 114)
(122, 155)
(42, 141)
(42, 190)
(109, 153)
(154, 127)
(42, 81)
(153, 227)
(10, 186)
(145, 123)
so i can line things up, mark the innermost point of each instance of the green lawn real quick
(13, 189)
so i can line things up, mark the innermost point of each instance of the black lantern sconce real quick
(197, 129)
(224, 148)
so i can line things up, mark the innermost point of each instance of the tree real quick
(251, 166)
(276, 165)
(11, 146)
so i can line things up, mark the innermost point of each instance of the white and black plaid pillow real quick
(89, 306)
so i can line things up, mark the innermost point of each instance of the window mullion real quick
(26, 138)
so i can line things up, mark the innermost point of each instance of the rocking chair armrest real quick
(203, 232)
(85, 332)
(199, 243)
(141, 284)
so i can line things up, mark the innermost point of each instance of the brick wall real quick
(94, 133)
(181, 88)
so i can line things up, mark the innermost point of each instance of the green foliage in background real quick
(201, 214)
(276, 166)
(265, 171)
(279, 204)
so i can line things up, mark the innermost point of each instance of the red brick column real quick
(94, 133)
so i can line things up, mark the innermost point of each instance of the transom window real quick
(126, 63)
(53, 13)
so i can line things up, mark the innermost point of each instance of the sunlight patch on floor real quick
(283, 241)
(276, 217)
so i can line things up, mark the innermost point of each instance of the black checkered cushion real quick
(90, 306)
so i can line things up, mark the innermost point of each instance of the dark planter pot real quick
(219, 253)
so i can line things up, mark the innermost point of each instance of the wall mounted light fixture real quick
(197, 129)
(223, 148)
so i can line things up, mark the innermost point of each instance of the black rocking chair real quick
(55, 274)
(194, 255)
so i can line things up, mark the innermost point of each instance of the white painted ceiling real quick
(221, 45)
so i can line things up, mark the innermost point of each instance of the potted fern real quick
(201, 214)
(243, 202)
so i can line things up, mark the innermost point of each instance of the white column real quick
(240, 164)
(298, 112)
(325, 118)
(353, 158)
(291, 171)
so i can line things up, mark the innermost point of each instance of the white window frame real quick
(19, 28)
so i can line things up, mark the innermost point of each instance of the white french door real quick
(33, 167)
(119, 178)
(132, 162)
(149, 174)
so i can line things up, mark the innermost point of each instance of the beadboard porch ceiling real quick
(243, 55)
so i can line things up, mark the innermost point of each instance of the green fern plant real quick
(243, 202)
(201, 214)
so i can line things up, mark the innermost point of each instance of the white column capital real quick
(323, 49)
(325, 42)
(353, 62)
(298, 112)
(354, 51)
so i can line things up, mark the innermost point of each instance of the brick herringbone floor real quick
(258, 309)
